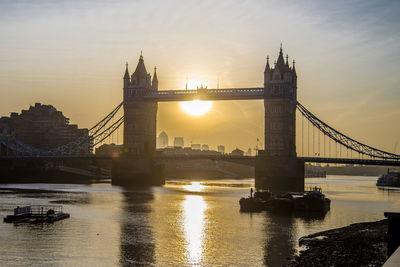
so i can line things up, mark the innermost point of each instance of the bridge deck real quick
(206, 94)
(387, 162)
(380, 162)
(305, 159)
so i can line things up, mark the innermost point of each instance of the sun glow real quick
(196, 107)
(194, 187)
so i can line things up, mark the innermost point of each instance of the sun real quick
(196, 107)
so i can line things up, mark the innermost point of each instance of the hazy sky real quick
(72, 54)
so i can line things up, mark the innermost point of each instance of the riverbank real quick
(359, 244)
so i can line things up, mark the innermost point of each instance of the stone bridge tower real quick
(139, 116)
(277, 167)
(135, 166)
(280, 85)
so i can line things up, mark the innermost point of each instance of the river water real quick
(184, 223)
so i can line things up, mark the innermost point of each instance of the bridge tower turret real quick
(127, 79)
(154, 84)
(277, 167)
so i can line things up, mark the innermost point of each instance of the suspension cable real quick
(345, 140)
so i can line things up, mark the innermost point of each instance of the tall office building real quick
(205, 147)
(248, 153)
(196, 146)
(162, 140)
(178, 142)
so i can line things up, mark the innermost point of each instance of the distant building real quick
(186, 151)
(196, 146)
(178, 142)
(237, 152)
(248, 153)
(205, 147)
(44, 127)
(162, 140)
(221, 149)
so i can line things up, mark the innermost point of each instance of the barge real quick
(37, 214)
(310, 201)
(391, 179)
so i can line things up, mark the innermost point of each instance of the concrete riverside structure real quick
(277, 167)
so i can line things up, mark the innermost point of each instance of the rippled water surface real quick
(184, 223)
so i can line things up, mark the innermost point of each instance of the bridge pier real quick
(278, 174)
(136, 170)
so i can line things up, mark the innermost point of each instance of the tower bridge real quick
(277, 167)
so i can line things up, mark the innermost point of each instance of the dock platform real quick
(37, 214)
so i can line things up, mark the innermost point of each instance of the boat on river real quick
(391, 179)
(37, 214)
(312, 200)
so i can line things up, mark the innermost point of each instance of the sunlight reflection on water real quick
(194, 187)
(194, 221)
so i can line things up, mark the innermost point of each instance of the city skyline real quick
(347, 60)
(164, 143)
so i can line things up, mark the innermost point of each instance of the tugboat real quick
(256, 203)
(310, 201)
(391, 179)
(36, 214)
